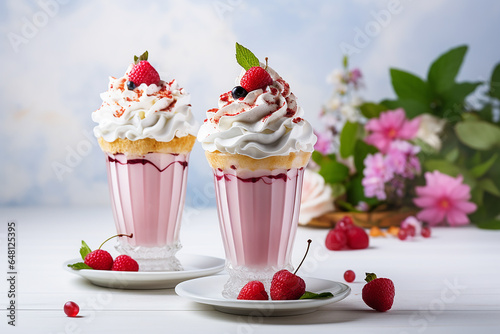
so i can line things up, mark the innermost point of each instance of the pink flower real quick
(402, 158)
(376, 174)
(444, 198)
(391, 125)
(324, 143)
(355, 76)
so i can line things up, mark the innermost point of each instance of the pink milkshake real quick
(258, 215)
(147, 197)
(258, 145)
(146, 129)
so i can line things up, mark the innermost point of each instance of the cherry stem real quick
(266, 64)
(307, 251)
(118, 235)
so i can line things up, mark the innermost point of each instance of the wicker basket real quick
(380, 219)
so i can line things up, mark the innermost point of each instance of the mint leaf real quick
(245, 57)
(84, 250)
(312, 295)
(78, 266)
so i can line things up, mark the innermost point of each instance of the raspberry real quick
(99, 260)
(125, 263)
(357, 238)
(345, 223)
(253, 290)
(336, 239)
(71, 309)
(378, 293)
(143, 72)
(255, 78)
(287, 286)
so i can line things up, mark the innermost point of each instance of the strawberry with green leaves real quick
(255, 77)
(100, 259)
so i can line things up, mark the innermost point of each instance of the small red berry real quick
(426, 232)
(255, 78)
(378, 293)
(99, 260)
(125, 263)
(345, 223)
(357, 238)
(287, 286)
(402, 234)
(253, 290)
(410, 230)
(71, 309)
(349, 276)
(336, 239)
(143, 72)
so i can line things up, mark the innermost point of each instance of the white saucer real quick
(208, 290)
(194, 266)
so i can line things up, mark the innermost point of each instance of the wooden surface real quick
(445, 284)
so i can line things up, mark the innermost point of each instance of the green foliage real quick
(332, 170)
(372, 110)
(348, 139)
(495, 83)
(479, 135)
(443, 71)
(471, 140)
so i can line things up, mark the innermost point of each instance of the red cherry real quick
(71, 309)
(349, 276)
(402, 234)
(426, 232)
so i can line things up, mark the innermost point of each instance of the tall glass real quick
(258, 214)
(147, 196)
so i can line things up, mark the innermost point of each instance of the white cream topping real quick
(265, 123)
(161, 112)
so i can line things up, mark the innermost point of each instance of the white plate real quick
(194, 266)
(208, 290)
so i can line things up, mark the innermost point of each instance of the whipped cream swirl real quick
(160, 112)
(267, 122)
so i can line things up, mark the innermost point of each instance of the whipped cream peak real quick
(266, 122)
(159, 111)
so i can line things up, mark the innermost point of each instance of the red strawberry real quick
(99, 260)
(336, 239)
(143, 72)
(253, 290)
(357, 238)
(287, 286)
(125, 263)
(255, 78)
(378, 293)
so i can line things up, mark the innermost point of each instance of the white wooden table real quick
(449, 283)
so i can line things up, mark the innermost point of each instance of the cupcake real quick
(257, 143)
(146, 131)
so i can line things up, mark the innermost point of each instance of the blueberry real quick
(238, 92)
(131, 85)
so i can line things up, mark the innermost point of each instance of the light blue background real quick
(51, 80)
